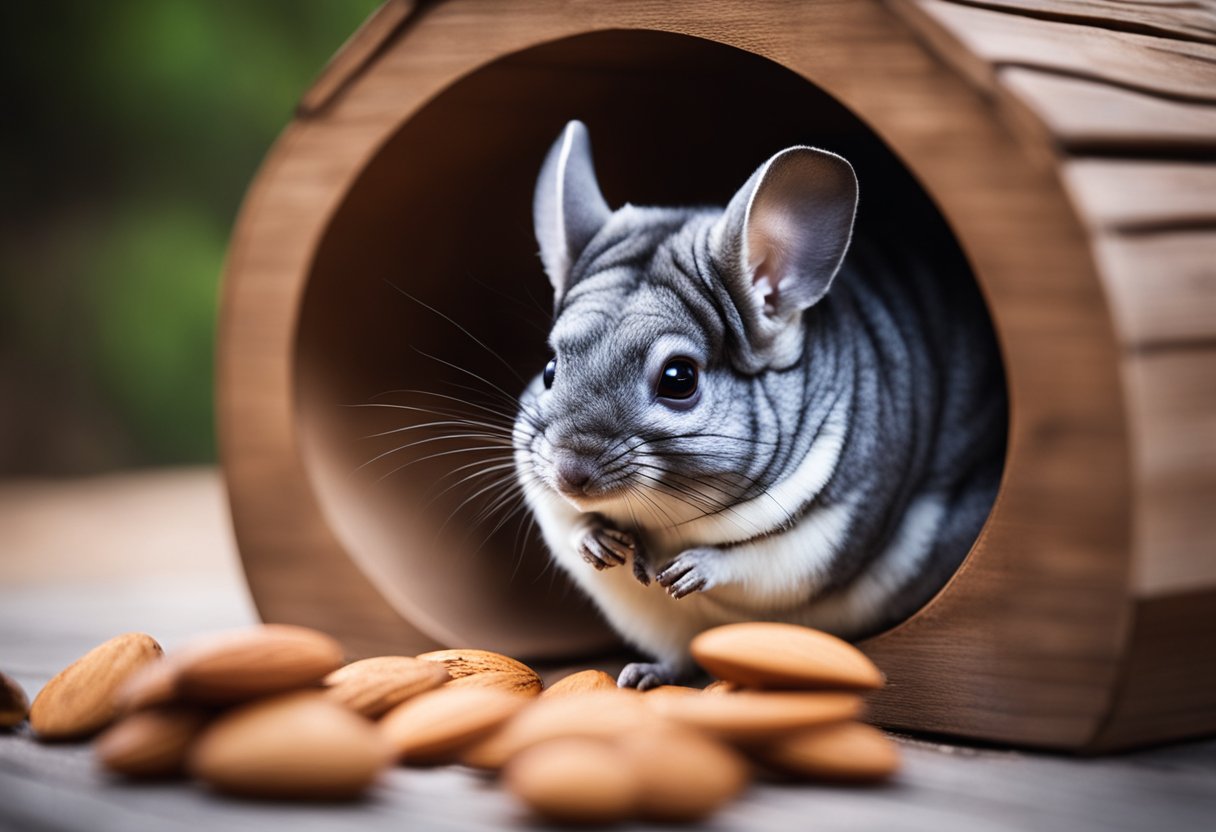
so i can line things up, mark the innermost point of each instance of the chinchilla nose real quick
(573, 471)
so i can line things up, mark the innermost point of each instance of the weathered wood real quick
(1084, 117)
(1138, 195)
(983, 42)
(1165, 18)
(1162, 286)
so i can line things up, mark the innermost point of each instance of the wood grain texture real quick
(1028, 641)
(1143, 195)
(1195, 20)
(989, 40)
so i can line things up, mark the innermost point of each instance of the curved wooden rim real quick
(1022, 644)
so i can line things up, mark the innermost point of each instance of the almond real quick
(722, 686)
(81, 699)
(575, 780)
(670, 690)
(509, 681)
(600, 714)
(581, 682)
(468, 662)
(296, 745)
(436, 726)
(374, 686)
(150, 743)
(849, 751)
(153, 684)
(683, 775)
(14, 706)
(752, 715)
(245, 664)
(762, 654)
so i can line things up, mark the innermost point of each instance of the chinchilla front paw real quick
(691, 571)
(604, 545)
(647, 675)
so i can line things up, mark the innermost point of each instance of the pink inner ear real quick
(770, 234)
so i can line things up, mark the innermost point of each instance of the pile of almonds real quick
(274, 712)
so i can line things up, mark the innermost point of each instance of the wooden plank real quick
(987, 40)
(1161, 285)
(1172, 410)
(1086, 117)
(1165, 18)
(1136, 195)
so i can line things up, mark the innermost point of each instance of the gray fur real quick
(914, 370)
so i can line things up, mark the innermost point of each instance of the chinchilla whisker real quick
(541, 328)
(507, 481)
(429, 440)
(514, 400)
(497, 356)
(446, 423)
(483, 471)
(438, 455)
(507, 417)
(429, 411)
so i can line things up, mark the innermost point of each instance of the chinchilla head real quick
(673, 329)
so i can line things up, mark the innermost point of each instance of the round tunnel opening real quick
(426, 299)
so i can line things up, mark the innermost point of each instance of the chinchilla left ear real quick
(780, 244)
(567, 206)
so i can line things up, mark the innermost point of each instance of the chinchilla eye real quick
(678, 380)
(550, 371)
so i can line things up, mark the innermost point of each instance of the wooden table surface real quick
(83, 561)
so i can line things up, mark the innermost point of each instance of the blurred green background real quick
(130, 132)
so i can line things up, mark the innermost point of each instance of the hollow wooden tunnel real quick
(1066, 150)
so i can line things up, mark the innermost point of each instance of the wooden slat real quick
(1133, 195)
(1172, 406)
(1162, 286)
(1165, 18)
(1086, 117)
(1156, 66)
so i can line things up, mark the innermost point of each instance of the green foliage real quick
(133, 129)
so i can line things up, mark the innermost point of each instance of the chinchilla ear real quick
(567, 207)
(781, 242)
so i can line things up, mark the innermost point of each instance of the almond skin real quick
(575, 780)
(237, 666)
(848, 752)
(762, 654)
(601, 714)
(151, 743)
(683, 775)
(296, 745)
(372, 687)
(434, 727)
(581, 682)
(151, 685)
(82, 698)
(509, 681)
(754, 715)
(468, 662)
(14, 706)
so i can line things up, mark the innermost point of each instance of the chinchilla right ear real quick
(779, 245)
(567, 206)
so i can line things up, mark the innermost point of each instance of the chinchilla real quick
(752, 413)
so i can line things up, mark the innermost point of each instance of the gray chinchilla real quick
(756, 413)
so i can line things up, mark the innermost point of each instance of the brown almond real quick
(670, 690)
(295, 745)
(81, 699)
(848, 752)
(752, 715)
(152, 685)
(575, 780)
(509, 681)
(372, 687)
(684, 775)
(468, 662)
(237, 666)
(581, 682)
(436, 726)
(765, 654)
(150, 743)
(722, 686)
(14, 706)
(600, 714)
